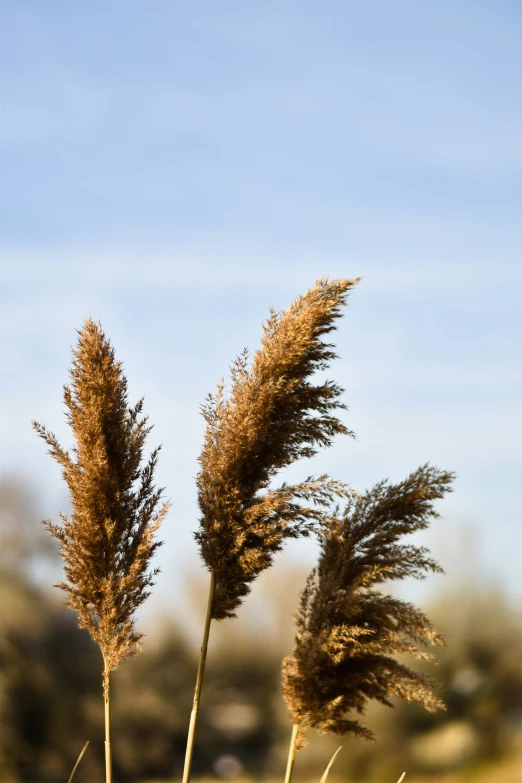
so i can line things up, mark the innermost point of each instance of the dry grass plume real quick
(109, 539)
(273, 416)
(348, 631)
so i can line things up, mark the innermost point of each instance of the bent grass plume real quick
(273, 416)
(347, 630)
(109, 539)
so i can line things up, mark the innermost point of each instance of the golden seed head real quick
(274, 416)
(109, 539)
(347, 630)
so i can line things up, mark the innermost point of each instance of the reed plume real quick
(273, 416)
(347, 630)
(109, 539)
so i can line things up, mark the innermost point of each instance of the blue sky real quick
(176, 169)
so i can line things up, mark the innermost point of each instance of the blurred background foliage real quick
(50, 686)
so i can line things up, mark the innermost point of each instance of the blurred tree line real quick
(50, 686)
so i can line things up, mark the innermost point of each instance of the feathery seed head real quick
(347, 630)
(274, 416)
(108, 541)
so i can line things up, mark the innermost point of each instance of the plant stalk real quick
(107, 704)
(78, 761)
(199, 680)
(328, 768)
(291, 753)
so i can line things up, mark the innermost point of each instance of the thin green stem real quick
(292, 750)
(199, 680)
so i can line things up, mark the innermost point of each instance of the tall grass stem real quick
(107, 704)
(291, 753)
(330, 763)
(199, 680)
(80, 757)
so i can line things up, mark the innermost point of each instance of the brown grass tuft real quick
(347, 630)
(108, 540)
(274, 416)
